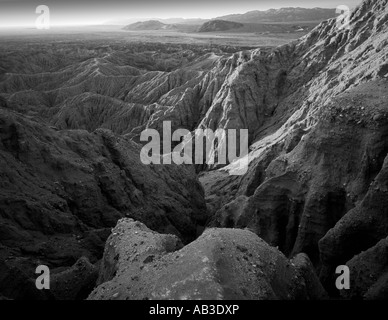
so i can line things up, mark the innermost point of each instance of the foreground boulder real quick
(317, 176)
(221, 264)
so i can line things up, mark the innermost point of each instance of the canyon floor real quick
(75, 196)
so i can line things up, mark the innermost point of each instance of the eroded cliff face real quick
(316, 183)
(126, 88)
(317, 114)
(62, 192)
(115, 88)
(230, 264)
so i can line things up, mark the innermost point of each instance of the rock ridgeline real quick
(316, 110)
(317, 179)
(227, 264)
(258, 89)
(148, 25)
(219, 25)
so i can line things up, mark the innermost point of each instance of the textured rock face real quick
(361, 227)
(307, 190)
(117, 87)
(335, 178)
(319, 176)
(314, 288)
(62, 191)
(219, 25)
(220, 264)
(316, 110)
(369, 274)
(257, 90)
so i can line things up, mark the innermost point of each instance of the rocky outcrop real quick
(294, 181)
(62, 191)
(220, 264)
(147, 25)
(257, 89)
(314, 288)
(318, 186)
(369, 274)
(117, 87)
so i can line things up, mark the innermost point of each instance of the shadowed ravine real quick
(75, 196)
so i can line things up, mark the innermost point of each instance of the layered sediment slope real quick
(316, 181)
(317, 114)
(119, 87)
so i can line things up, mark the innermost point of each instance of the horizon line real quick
(140, 19)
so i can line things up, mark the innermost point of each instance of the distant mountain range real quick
(281, 15)
(157, 25)
(269, 21)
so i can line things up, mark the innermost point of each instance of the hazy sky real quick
(22, 12)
